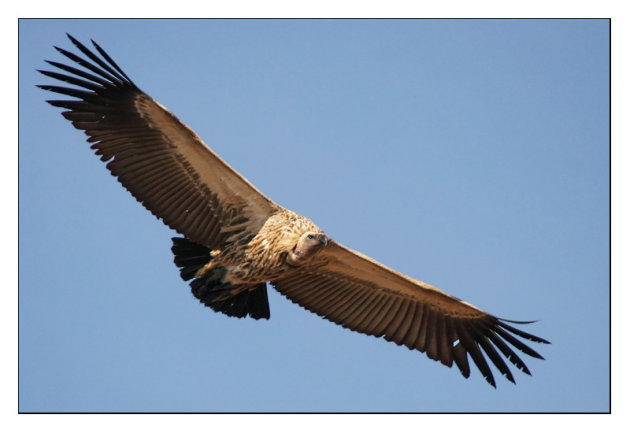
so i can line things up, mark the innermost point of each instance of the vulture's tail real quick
(209, 288)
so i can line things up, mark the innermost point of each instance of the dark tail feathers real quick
(191, 256)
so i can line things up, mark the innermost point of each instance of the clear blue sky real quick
(473, 155)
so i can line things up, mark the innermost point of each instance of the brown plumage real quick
(236, 239)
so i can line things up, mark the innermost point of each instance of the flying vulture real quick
(236, 240)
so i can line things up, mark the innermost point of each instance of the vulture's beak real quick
(323, 240)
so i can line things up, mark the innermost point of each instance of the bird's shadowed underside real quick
(190, 257)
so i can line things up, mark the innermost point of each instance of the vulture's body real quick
(236, 240)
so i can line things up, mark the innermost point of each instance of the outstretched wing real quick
(354, 291)
(159, 159)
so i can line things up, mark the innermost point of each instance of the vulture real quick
(235, 240)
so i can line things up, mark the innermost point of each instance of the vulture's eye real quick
(310, 237)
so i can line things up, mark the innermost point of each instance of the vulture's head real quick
(308, 244)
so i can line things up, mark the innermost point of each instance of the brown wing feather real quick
(160, 160)
(361, 294)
